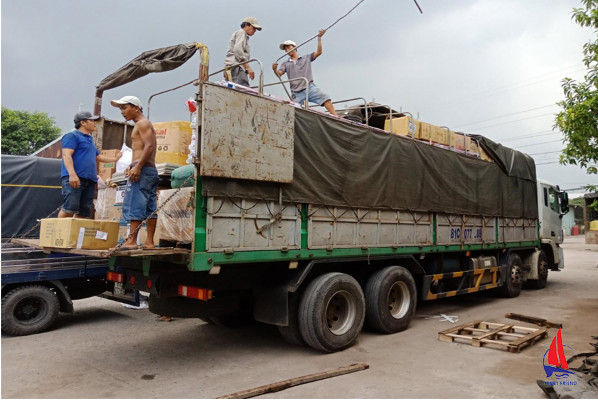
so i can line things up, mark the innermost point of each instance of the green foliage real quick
(24, 132)
(578, 201)
(578, 119)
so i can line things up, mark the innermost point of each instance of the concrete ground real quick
(107, 351)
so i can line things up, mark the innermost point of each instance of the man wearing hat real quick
(300, 67)
(79, 174)
(239, 52)
(140, 201)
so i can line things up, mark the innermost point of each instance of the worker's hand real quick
(275, 68)
(321, 32)
(134, 173)
(118, 156)
(250, 73)
(74, 181)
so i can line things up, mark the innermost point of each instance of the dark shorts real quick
(141, 197)
(78, 201)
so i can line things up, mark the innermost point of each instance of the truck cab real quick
(553, 203)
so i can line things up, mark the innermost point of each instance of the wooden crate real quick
(488, 334)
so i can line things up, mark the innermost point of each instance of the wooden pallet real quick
(488, 334)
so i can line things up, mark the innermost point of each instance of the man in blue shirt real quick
(79, 173)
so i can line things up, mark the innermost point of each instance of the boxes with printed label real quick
(172, 140)
(404, 126)
(78, 233)
(105, 170)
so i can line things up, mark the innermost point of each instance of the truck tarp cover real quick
(31, 190)
(159, 60)
(340, 164)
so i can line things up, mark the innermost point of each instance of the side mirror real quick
(564, 201)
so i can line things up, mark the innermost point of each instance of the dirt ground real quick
(105, 350)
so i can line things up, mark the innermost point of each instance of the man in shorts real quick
(300, 67)
(140, 199)
(79, 174)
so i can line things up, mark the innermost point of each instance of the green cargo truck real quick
(319, 225)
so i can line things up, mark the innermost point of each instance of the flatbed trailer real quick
(36, 286)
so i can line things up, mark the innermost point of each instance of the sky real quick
(489, 67)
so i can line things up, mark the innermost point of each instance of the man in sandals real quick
(140, 199)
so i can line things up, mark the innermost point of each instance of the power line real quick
(510, 122)
(547, 152)
(505, 115)
(531, 135)
(537, 144)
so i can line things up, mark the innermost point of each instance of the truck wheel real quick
(390, 299)
(29, 309)
(331, 312)
(291, 333)
(542, 267)
(513, 282)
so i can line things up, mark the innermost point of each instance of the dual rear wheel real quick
(331, 311)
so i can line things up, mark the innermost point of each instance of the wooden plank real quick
(278, 386)
(534, 320)
(493, 332)
(540, 332)
(103, 253)
(460, 327)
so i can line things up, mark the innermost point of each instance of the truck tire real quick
(291, 333)
(29, 309)
(390, 299)
(513, 281)
(331, 312)
(542, 268)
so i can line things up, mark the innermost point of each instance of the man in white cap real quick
(300, 67)
(238, 51)
(140, 199)
(79, 174)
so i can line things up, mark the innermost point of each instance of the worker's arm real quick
(67, 158)
(278, 72)
(106, 159)
(318, 52)
(147, 135)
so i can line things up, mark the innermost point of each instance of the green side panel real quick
(201, 219)
(304, 223)
(204, 261)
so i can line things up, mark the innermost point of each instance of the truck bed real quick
(103, 253)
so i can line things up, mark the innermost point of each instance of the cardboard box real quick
(471, 145)
(594, 225)
(404, 126)
(424, 132)
(106, 170)
(78, 233)
(458, 141)
(440, 135)
(176, 219)
(172, 140)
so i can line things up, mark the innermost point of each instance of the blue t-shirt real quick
(84, 157)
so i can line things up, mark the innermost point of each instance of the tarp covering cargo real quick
(158, 60)
(31, 190)
(341, 164)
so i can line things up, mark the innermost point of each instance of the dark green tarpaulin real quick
(342, 164)
(31, 189)
(158, 60)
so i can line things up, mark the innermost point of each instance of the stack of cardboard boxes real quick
(435, 135)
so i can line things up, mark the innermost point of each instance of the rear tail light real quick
(115, 277)
(195, 293)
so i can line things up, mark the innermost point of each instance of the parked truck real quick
(319, 225)
(37, 286)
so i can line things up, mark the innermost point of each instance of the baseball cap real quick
(287, 43)
(253, 22)
(126, 100)
(84, 116)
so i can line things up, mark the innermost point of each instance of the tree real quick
(578, 119)
(24, 132)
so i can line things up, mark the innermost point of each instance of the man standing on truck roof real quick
(140, 200)
(238, 51)
(79, 170)
(300, 67)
